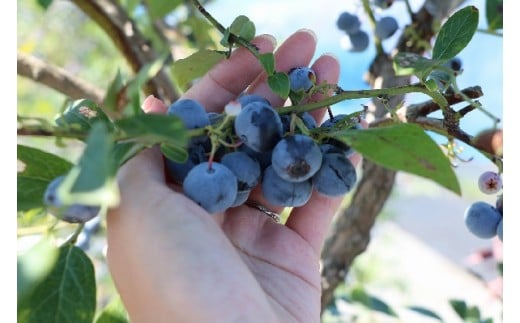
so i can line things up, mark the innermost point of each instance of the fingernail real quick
(310, 32)
(270, 38)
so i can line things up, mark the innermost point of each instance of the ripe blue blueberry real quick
(278, 191)
(245, 99)
(302, 79)
(386, 27)
(192, 114)
(358, 41)
(212, 186)
(336, 176)
(178, 171)
(246, 169)
(348, 22)
(75, 213)
(482, 219)
(259, 126)
(296, 158)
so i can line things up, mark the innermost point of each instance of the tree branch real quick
(57, 78)
(112, 18)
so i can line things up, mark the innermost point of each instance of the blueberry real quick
(178, 171)
(302, 79)
(215, 118)
(489, 182)
(278, 191)
(241, 198)
(263, 158)
(245, 99)
(259, 126)
(246, 169)
(192, 114)
(455, 64)
(348, 22)
(386, 27)
(500, 232)
(358, 41)
(75, 213)
(499, 205)
(383, 4)
(296, 158)
(213, 187)
(482, 219)
(336, 176)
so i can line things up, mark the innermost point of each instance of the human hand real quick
(171, 261)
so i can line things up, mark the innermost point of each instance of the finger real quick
(327, 70)
(153, 105)
(230, 77)
(312, 220)
(297, 50)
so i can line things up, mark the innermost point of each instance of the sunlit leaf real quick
(403, 147)
(243, 27)
(456, 33)
(66, 295)
(159, 9)
(194, 66)
(38, 169)
(280, 84)
(34, 265)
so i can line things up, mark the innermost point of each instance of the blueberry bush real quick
(161, 49)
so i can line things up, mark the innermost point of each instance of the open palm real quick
(173, 262)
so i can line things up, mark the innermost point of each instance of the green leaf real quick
(196, 65)
(494, 14)
(92, 180)
(456, 33)
(33, 266)
(81, 115)
(112, 96)
(39, 168)
(123, 151)
(267, 61)
(114, 312)
(243, 27)
(372, 302)
(459, 307)
(413, 64)
(44, 3)
(403, 147)
(159, 9)
(68, 293)
(174, 153)
(425, 312)
(154, 128)
(280, 84)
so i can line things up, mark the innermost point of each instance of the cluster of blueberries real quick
(247, 146)
(483, 219)
(359, 39)
(265, 148)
